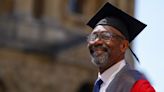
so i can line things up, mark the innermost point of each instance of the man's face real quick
(104, 44)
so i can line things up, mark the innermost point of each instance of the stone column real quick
(23, 8)
(127, 6)
(52, 9)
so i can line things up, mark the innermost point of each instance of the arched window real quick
(76, 6)
(38, 8)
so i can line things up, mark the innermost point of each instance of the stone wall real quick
(34, 72)
(48, 53)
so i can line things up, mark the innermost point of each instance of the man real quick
(113, 30)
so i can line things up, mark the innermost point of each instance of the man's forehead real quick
(101, 28)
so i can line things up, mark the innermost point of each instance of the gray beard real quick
(100, 60)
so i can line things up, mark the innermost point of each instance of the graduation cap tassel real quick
(134, 55)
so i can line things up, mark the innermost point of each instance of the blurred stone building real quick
(43, 44)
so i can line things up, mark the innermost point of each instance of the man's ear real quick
(124, 45)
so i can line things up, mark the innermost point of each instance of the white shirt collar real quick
(112, 71)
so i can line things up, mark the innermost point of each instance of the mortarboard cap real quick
(110, 15)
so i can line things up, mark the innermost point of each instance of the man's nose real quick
(96, 41)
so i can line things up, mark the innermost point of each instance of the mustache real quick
(93, 48)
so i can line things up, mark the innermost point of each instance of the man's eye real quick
(106, 36)
(93, 36)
